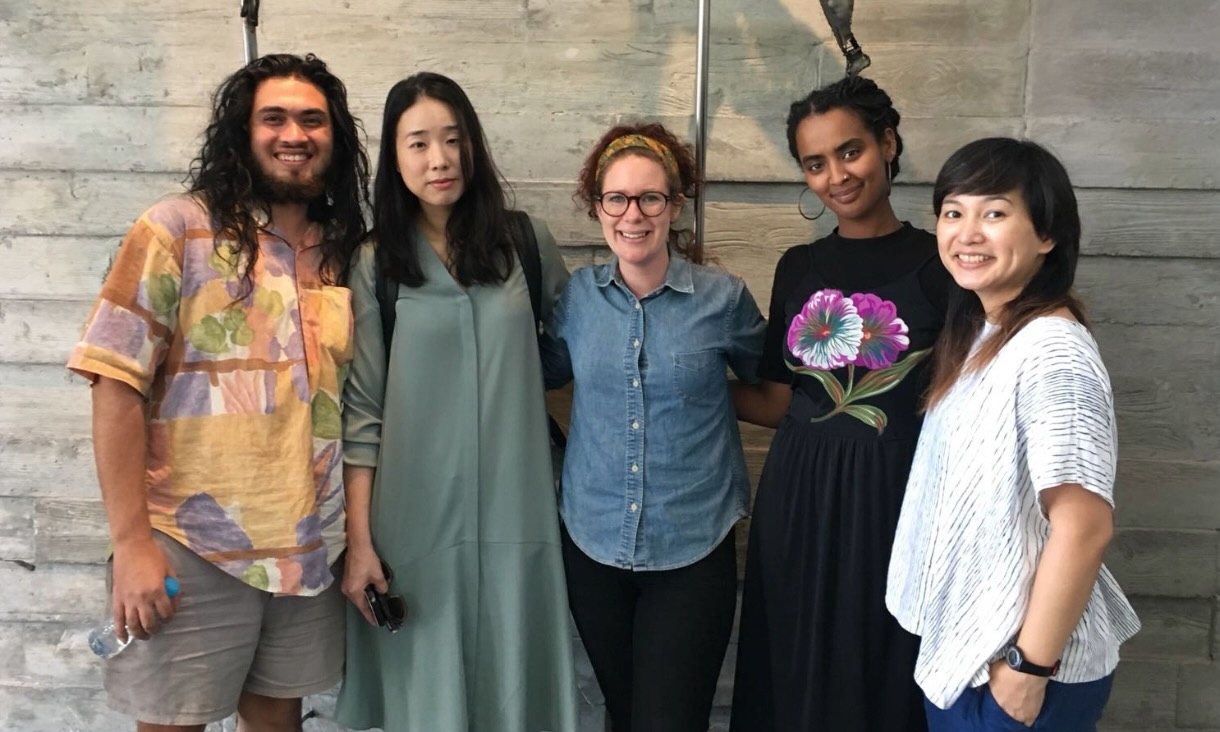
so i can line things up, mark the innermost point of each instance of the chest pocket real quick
(699, 376)
(332, 310)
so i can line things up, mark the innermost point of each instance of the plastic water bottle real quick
(104, 641)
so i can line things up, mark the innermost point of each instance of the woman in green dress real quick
(460, 503)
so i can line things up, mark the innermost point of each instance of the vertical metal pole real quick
(249, 15)
(701, 64)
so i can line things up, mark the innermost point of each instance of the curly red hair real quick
(588, 185)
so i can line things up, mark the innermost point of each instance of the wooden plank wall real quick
(101, 103)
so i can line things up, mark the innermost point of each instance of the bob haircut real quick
(997, 165)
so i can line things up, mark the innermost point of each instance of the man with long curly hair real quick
(216, 351)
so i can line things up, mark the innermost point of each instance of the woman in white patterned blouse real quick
(997, 563)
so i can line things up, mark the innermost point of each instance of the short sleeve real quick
(364, 389)
(745, 330)
(788, 272)
(1065, 409)
(135, 317)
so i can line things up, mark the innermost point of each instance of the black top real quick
(837, 259)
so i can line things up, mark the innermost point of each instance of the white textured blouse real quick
(972, 530)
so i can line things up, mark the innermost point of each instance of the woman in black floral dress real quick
(853, 317)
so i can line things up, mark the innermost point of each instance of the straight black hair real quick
(477, 230)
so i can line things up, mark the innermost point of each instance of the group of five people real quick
(275, 383)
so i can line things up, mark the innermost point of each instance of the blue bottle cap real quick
(171, 586)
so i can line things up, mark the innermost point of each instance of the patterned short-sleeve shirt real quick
(243, 460)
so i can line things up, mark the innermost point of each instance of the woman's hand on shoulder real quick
(362, 567)
(1019, 695)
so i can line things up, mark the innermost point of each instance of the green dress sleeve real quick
(364, 391)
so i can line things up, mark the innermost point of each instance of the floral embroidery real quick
(826, 333)
(832, 331)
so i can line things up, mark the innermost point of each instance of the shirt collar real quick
(678, 276)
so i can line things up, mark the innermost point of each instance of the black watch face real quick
(1013, 656)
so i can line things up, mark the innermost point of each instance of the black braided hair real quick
(859, 95)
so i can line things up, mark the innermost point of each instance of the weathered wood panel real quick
(59, 203)
(43, 401)
(40, 331)
(1144, 697)
(47, 466)
(36, 654)
(53, 593)
(918, 22)
(1164, 379)
(1176, 292)
(1166, 494)
(80, 137)
(1199, 696)
(16, 529)
(1172, 629)
(58, 708)
(1165, 563)
(1187, 24)
(70, 531)
(1150, 223)
(52, 267)
(1124, 83)
(1131, 153)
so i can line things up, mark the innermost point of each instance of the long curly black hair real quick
(225, 175)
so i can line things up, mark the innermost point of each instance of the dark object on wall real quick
(838, 13)
(249, 15)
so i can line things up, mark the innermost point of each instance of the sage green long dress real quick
(463, 508)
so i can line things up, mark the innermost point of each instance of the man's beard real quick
(277, 190)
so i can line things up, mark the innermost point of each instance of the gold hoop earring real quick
(800, 207)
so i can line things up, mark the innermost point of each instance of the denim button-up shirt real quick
(654, 476)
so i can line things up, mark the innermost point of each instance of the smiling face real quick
(844, 164)
(989, 245)
(639, 241)
(429, 154)
(291, 139)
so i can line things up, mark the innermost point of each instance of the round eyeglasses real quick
(651, 203)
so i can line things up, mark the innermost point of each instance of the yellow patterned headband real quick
(629, 141)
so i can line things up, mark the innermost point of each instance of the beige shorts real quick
(225, 638)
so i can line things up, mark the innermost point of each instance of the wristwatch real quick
(1015, 659)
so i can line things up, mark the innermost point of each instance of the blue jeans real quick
(1067, 708)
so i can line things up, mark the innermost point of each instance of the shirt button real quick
(635, 382)
(635, 468)
(637, 306)
(634, 507)
(636, 343)
(635, 425)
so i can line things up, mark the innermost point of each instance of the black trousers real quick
(656, 639)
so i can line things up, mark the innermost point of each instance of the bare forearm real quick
(762, 404)
(358, 488)
(119, 443)
(1066, 574)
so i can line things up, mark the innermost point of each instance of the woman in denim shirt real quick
(654, 477)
